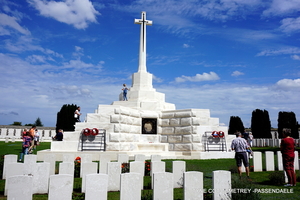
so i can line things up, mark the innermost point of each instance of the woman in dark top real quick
(287, 148)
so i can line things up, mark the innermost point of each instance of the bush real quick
(277, 178)
(244, 184)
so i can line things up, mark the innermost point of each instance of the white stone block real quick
(167, 130)
(130, 186)
(164, 139)
(182, 147)
(66, 168)
(195, 121)
(3, 132)
(87, 168)
(221, 185)
(175, 139)
(270, 161)
(279, 161)
(165, 122)
(174, 122)
(104, 159)
(184, 130)
(196, 138)
(167, 115)
(114, 118)
(19, 187)
(96, 186)
(113, 171)
(114, 137)
(8, 159)
(41, 178)
(163, 186)
(187, 138)
(178, 169)
(193, 185)
(69, 158)
(184, 114)
(186, 121)
(60, 187)
(257, 161)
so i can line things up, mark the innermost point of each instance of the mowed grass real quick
(259, 180)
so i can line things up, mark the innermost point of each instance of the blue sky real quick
(229, 56)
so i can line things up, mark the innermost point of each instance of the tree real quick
(38, 122)
(17, 124)
(288, 120)
(235, 124)
(65, 118)
(261, 124)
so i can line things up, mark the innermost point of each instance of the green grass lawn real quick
(259, 180)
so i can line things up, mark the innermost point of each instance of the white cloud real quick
(237, 73)
(290, 25)
(212, 76)
(295, 57)
(78, 13)
(280, 7)
(8, 21)
(288, 84)
(290, 50)
(186, 46)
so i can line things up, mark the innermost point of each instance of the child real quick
(25, 145)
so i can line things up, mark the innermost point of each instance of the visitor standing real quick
(250, 139)
(25, 145)
(31, 134)
(125, 90)
(36, 138)
(287, 148)
(77, 114)
(240, 146)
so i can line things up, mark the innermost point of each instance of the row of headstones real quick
(263, 142)
(270, 161)
(13, 134)
(37, 178)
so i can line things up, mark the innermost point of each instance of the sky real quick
(229, 56)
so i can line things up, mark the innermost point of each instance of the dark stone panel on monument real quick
(149, 126)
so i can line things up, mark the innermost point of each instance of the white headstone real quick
(87, 168)
(13, 169)
(3, 132)
(193, 185)
(7, 160)
(41, 178)
(113, 171)
(50, 158)
(257, 161)
(30, 164)
(19, 187)
(178, 169)
(296, 163)
(85, 158)
(130, 186)
(66, 168)
(140, 157)
(155, 158)
(104, 159)
(163, 186)
(60, 187)
(68, 158)
(138, 167)
(157, 166)
(123, 158)
(96, 186)
(279, 161)
(270, 161)
(221, 185)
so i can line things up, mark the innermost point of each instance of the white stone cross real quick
(142, 53)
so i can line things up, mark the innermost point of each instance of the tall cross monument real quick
(141, 94)
(142, 53)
